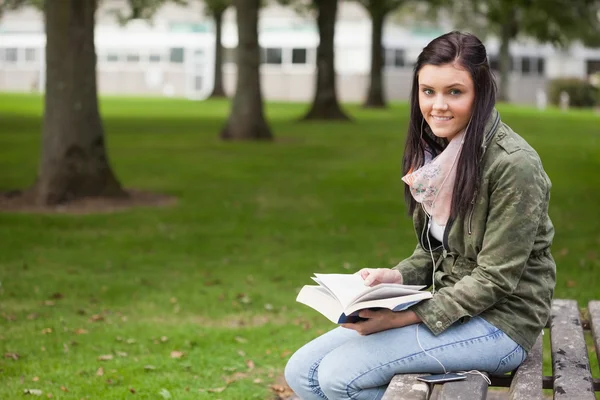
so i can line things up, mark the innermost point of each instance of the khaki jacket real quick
(494, 262)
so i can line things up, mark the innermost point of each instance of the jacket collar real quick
(491, 127)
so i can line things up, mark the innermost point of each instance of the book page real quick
(319, 299)
(349, 288)
(393, 303)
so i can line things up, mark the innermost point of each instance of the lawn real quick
(198, 300)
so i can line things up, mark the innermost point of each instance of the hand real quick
(374, 276)
(381, 320)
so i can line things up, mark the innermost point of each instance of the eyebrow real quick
(447, 87)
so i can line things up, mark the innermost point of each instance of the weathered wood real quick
(527, 382)
(594, 310)
(474, 387)
(570, 363)
(406, 387)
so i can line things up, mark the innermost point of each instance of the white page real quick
(319, 299)
(348, 288)
(393, 303)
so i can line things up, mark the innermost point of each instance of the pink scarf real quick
(432, 185)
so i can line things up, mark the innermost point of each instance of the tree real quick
(246, 120)
(555, 21)
(325, 104)
(216, 9)
(74, 162)
(378, 11)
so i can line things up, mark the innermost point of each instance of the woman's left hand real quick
(381, 320)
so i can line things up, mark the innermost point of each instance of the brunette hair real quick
(467, 51)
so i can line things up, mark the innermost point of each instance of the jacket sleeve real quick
(416, 269)
(519, 192)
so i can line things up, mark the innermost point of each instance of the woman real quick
(479, 198)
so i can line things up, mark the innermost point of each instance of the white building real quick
(173, 55)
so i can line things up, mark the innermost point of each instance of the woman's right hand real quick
(375, 276)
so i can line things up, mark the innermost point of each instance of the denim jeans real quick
(341, 364)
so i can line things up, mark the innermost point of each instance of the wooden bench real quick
(571, 373)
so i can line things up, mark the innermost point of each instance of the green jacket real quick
(495, 262)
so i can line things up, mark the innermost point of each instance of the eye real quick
(427, 92)
(455, 92)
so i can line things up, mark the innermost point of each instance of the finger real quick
(364, 273)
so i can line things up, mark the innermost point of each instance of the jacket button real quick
(439, 324)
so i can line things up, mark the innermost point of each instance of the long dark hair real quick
(466, 50)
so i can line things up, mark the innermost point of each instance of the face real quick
(446, 96)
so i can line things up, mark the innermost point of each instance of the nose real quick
(440, 103)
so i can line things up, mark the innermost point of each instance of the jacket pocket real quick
(463, 267)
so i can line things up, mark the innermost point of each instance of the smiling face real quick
(446, 96)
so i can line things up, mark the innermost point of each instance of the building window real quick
(592, 66)
(299, 56)
(176, 55)
(30, 55)
(526, 65)
(132, 58)
(272, 55)
(154, 58)
(394, 58)
(112, 57)
(541, 66)
(10, 55)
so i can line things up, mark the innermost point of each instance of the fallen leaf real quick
(121, 354)
(132, 390)
(14, 356)
(571, 283)
(149, 367)
(250, 364)
(240, 339)
(229, 369)
(100, 372)
(81, 331)
(131, 341)
(241, 353)
(164, 339)
(165, 393)
(235, 377)
(563, 252)
(57, 296)
(216, 390)
(105, 357)
(177, 354)
(96, 318)
(35, 392)
(49, 303)
(32, 316)
(64, 389)
(257, 380)
(35, 379)
(49, 395)
(173, 300)
(46, 331)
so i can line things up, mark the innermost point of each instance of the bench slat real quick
(406, 387)
(594, 310)
(570, 363)
(472, 388)
(527, 382)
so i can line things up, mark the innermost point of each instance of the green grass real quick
(217, 275)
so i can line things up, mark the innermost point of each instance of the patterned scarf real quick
(432, 185)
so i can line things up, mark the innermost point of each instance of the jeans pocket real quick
(511, 361)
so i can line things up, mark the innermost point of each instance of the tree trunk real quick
(508, 31)
(74, 161)
(325, 103)
(218, 90)
(247, 121)
(375, 95)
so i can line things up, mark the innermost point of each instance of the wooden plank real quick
(570, 363)
(474, 387)
(527, 382)
(594, 310)
(406, 387)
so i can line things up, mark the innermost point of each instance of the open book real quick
(339, 297)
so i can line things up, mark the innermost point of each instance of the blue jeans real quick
(341, 364)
